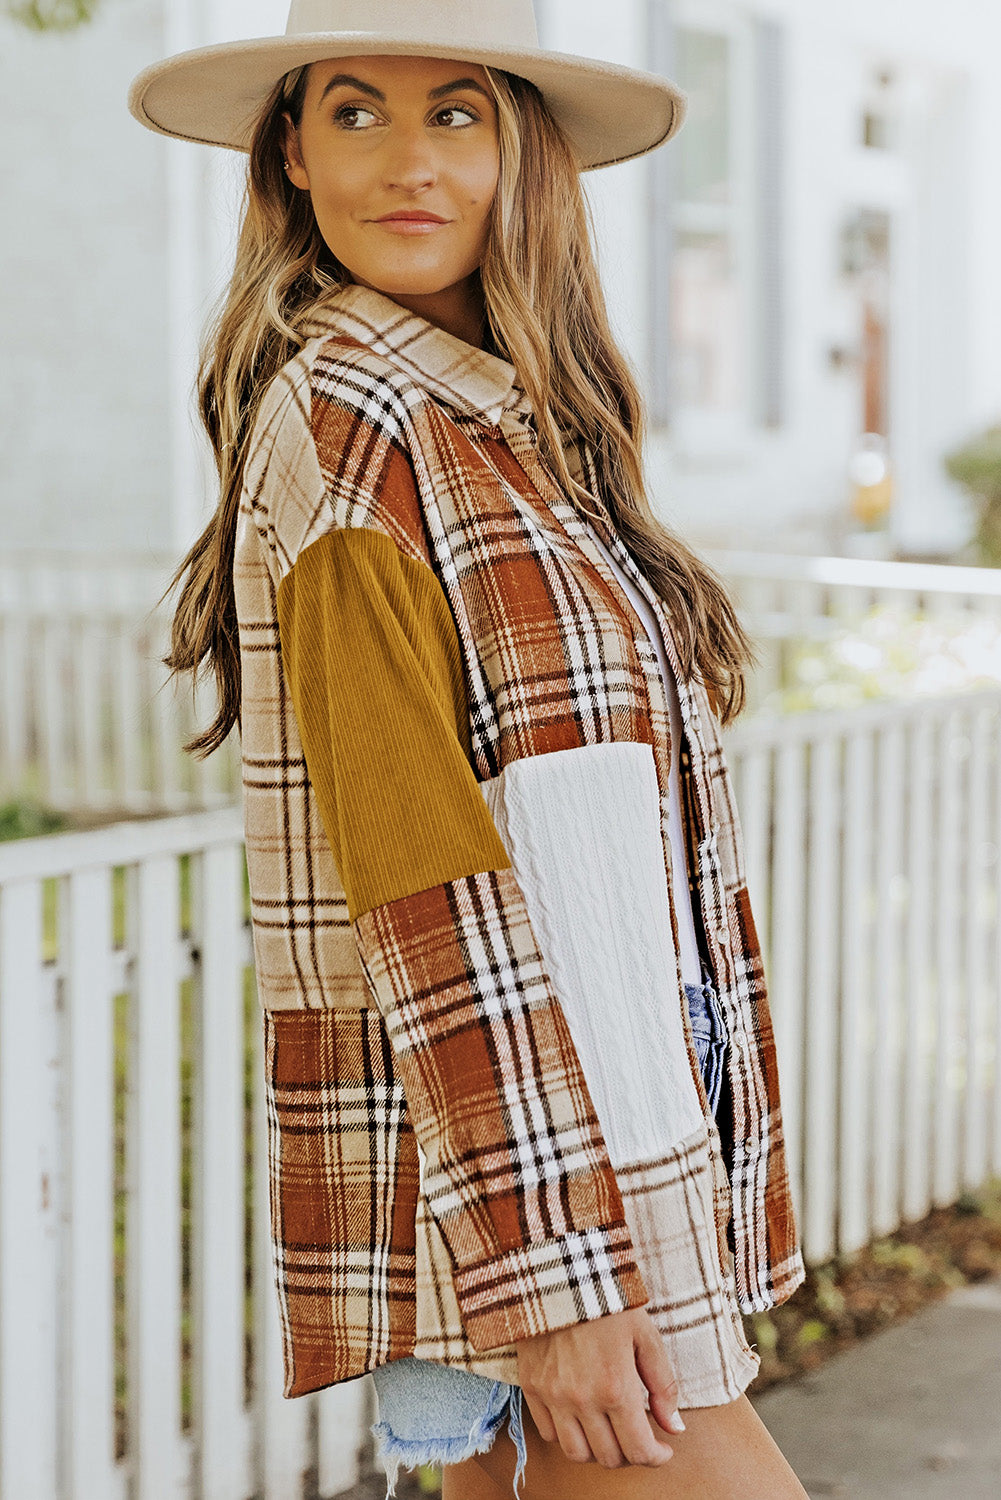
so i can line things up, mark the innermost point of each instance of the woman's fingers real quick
(542, 1417)
(657, 1375)
(602, 1440)
(572, 1438)
(586, 1388)
(610, 1431)
(637, 1437)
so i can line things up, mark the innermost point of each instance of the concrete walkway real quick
(912, 1413)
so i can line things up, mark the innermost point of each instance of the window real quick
(716, 232)
(707, 326)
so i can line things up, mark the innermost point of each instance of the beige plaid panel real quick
(304, 947)
(284, 496)
(673, 1211)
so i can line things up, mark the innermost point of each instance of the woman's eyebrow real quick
(369, 88)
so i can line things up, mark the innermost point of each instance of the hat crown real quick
(505, 24)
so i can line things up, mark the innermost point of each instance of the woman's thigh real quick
(726, 1453)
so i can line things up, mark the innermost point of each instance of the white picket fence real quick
(90, 725)
(787, 593)
(873, 847)
(133, 1304)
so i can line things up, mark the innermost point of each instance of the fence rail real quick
(789, 592)
(139, 1333)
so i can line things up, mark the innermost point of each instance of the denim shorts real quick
(439, 1414)
(709, 1034)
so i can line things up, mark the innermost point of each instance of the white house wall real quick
(119, 240)
(83, 381)
(761, 484)
(115, 242)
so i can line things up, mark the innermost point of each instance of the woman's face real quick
(385, 135)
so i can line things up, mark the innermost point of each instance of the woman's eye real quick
(341, 115)
(351, 109)
(456, 109)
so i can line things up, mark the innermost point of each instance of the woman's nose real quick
(409, 160)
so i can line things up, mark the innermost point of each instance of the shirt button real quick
(748, 1143)
(723, 937)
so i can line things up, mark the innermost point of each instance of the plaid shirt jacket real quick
(486, 1114)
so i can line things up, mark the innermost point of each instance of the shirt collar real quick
(453, 371)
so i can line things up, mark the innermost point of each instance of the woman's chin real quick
(408, 280)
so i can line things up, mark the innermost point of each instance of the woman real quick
(525, 1133)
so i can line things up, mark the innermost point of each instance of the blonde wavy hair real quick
(545, 314)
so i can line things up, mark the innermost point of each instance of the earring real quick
(286, 166)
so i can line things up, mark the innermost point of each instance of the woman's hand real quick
(586, 1387)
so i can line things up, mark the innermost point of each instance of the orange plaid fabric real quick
(427, 628)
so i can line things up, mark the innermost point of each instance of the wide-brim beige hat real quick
(215, 95)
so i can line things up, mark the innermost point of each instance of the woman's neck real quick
(459, 309)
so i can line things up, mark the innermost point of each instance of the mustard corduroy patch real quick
(372, 661)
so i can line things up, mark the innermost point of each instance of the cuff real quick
(553, 1284)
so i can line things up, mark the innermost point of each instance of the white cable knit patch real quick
(581, 828)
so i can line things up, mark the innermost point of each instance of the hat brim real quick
(214, 95)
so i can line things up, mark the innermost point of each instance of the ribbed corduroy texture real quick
(374, 670)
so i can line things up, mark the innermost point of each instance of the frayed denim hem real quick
(437, 1452)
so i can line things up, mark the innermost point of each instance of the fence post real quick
(89, 1141)
(217, 1250)
(154, 1149)
(29, 1291)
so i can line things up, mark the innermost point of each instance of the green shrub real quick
(51, 15)
(889, 652)
(976, 464)
(22, 818)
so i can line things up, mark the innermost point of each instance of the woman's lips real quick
(409, 226)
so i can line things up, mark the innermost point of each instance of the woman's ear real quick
(295, 170)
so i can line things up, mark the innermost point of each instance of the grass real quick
(27, 818)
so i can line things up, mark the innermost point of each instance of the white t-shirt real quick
(691, 966)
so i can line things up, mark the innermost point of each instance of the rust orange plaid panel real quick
(516, 1173)
(343, 1177)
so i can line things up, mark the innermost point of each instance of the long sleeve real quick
(517, 1174)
